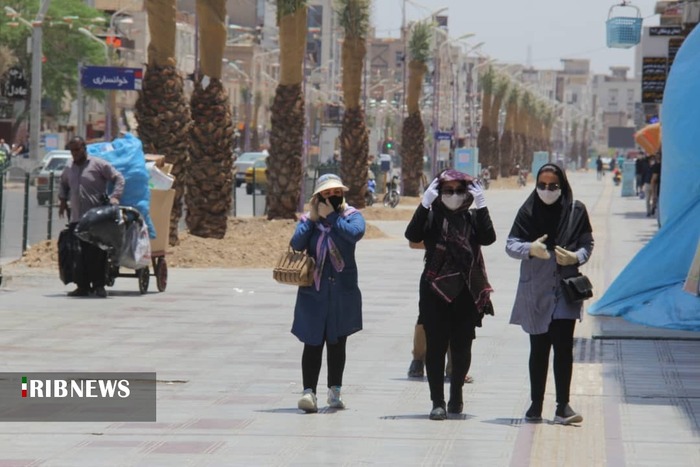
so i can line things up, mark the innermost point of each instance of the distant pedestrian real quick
(599, 168)
(655, 188)
(549, 250)
(640, 166)
(454, 289)
(646, 185)
(329, 310)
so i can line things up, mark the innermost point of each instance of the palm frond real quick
(486, 80)
(354, 17)
(419, 45)
(289, 7)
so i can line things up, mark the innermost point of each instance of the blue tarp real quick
(649, 290)
(126, 155)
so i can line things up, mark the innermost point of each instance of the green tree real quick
(63, 47)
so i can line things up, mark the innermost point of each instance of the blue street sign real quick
(110, 77)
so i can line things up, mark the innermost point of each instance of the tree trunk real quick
(354, 148)
(413, 148)
(210, 184)
(284, 164)
(164, 122)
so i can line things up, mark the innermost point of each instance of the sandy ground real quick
(252, 242)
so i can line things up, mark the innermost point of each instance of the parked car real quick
(260, 168)
(55, 164)
(242, 164)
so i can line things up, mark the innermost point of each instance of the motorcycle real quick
(370, 194)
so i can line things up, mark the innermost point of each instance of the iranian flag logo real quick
(24, 386)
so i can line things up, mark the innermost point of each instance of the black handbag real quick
(576, 288)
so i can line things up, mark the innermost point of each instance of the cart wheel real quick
(161, 274)
(144, 276)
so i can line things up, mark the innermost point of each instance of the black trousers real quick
(447, 324)
(560, 337)
(312, 358)
(91, 267)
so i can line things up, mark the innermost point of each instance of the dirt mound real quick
(248, 243)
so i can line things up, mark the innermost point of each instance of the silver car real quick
(242, 164)
(56, 161)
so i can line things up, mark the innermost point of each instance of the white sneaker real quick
(334, 399)
(307, 403)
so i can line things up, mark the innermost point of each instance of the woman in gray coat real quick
(552, 236)
(330, 309)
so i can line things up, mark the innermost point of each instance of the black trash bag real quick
(103, 227)
(68, 256)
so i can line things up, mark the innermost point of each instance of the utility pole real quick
(35, 102)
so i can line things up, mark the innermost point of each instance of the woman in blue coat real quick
(330, 309)
(552, 237)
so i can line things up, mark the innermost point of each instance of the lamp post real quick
(108, 109)
(35, 101)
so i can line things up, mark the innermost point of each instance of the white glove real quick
(324, 209)
(565, 257)
(477, 191)
(431, 194)
(538, 249)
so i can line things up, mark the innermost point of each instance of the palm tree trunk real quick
(284, 164)
(162, 111)
(354, 139)
(413, 132)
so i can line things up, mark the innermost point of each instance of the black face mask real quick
(335, 201)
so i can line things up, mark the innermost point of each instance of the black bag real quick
(577, 289)
(68, 256)
(104, 227)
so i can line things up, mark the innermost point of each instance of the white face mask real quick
(453, 202)
(549, 197)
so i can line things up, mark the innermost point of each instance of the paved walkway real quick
(229, 370)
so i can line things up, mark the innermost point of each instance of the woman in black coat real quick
(454, 289)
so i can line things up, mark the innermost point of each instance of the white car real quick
(56, 161)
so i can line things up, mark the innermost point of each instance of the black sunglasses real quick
(548, 186)
(450, 192)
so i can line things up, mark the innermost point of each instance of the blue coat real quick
(335, 310)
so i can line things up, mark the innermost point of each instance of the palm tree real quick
(500, 91)
(255, 138)
(583, 145)
(210, 182)
(287, 123)
(413, 131)
(508, 140)
(162, 111)
(522, 129)
(353, 17)
(483, 141)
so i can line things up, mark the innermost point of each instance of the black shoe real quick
(534, 413)
(438, 412)
(455, 407)
(101, 292)
(565, 415)
(79, 292)
(416, 369)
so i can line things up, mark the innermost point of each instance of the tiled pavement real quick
(229, 370)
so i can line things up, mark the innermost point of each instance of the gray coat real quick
(539, 298)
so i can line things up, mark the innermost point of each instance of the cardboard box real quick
(157, 158)
(161, 205)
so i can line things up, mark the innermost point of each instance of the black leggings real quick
(312, 358)
(561, 337)
(93, 270)
(446, 324)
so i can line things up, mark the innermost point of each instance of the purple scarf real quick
(326, 245)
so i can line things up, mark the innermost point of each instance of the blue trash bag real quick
(126, 155)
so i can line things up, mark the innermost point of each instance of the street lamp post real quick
(36, 86)
(108, 108)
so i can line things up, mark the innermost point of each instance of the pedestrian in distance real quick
(454, 292)
(552, 237)
(329, 310)
(599, 168)
(84, 182)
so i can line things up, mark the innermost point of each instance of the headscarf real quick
(463, 252)
(535, 218)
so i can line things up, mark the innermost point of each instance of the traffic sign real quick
(109, 77)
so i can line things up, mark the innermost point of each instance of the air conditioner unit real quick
(691, 13)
